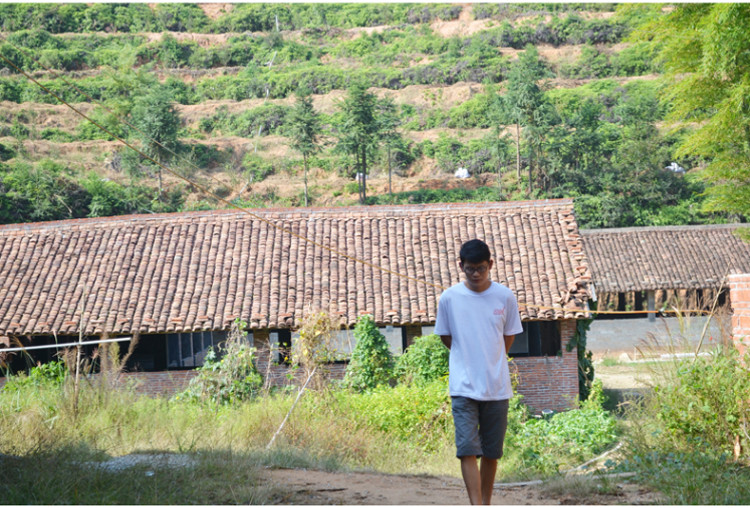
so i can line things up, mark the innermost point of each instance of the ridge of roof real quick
(290, 212)
(644, 229)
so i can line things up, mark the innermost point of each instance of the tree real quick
(358, 133)
(304, 127)
(524, 105)
(389, 123)
(154, 116)
(705, 50)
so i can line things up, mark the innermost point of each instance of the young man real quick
(477, 320)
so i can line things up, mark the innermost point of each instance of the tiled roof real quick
(670, 257)
(202, 270)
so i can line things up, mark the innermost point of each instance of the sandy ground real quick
(307, 487)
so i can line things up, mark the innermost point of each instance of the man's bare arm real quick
(446, 340)
(508, 342)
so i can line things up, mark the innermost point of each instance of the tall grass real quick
(406, 429)
(688, 437)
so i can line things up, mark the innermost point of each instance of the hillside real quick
(231, 73)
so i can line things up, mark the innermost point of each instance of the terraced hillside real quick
(532, 100)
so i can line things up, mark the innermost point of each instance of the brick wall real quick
(739, 296)
(550, 382)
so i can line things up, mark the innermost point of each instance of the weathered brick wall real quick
(164, 383)
(550, 382)
(739, 296)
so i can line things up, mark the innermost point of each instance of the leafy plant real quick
(371, 364)
(426, 360)
(48, 374)
(227, 376)
(706, 400)
(419, 415)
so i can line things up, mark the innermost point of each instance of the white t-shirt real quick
(478, 365)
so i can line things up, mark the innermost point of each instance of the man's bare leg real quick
(472, 479)
(487, 473)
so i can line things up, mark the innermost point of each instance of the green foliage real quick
(692, 477)
(227, 376)
(705, 48)
(563, 440)
(371, 364)
(417, 414)
(425, 361)
(158, 122)
(39, 192)
(6, 153)
(707, 400)
(50, 374)
(585, 362)
(256, 168)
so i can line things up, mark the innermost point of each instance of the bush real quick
(257, 168)
(229, 379)
(547, 445)
(48, 374)
(419, 415)
(426, 360)
(371, 364)
(707, 401)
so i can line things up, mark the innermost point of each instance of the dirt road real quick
(305, 487)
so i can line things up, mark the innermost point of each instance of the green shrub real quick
(420, 415)
(424, 361)
(257, 168)
(229, 379)
(6, 152)
(706, 401)
(371, 364)
(48, 374)
(565, 439)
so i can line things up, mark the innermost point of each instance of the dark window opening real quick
(150, 354)
(24, 361)
(283, 340)
(539, 338)
(186, 350)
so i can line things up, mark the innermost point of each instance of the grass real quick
(47, 445)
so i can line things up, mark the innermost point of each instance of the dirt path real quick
(308, 487)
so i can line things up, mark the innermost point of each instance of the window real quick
(189, 349)
(282, 339)
(539, 338)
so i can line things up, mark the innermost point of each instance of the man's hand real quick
(508, 342)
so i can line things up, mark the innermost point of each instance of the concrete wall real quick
(739, 294)
(639, 336)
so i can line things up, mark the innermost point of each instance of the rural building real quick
(645, 268)
(670, 267)
(181, 280)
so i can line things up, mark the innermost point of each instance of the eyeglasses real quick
(481, 270)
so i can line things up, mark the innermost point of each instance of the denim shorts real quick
(480, 426)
